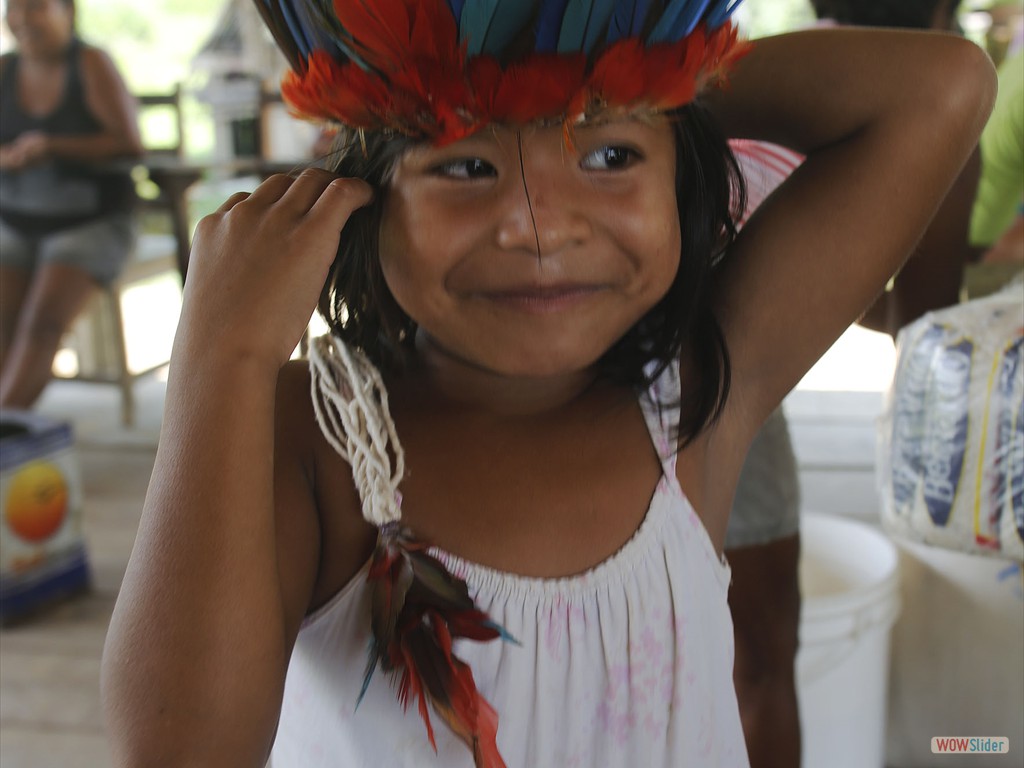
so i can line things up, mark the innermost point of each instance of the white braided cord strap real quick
(351, 405)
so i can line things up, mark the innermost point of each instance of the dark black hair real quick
(359, 307)
(908, 14)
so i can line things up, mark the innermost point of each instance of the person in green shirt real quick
(997, 220)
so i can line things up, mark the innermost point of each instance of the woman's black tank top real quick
(58, 193)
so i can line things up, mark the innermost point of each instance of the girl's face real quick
(41, 27)
(520, 255)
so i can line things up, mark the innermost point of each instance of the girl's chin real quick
(536, 362)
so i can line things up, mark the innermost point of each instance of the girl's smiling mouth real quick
(541, 299)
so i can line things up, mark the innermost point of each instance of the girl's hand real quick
(258, 265)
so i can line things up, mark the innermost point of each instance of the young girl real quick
(537, 365)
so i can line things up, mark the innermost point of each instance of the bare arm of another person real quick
(1009, 248)
(227, 553)
(931, 278)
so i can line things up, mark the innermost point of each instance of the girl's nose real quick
(540, 215)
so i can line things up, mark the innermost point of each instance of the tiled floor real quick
(49, 667)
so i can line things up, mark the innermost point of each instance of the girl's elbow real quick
(969, 85)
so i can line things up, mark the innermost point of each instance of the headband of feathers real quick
(443, 69)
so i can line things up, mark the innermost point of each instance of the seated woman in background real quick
(65, 220)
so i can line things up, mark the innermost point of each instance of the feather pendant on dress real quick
(417, 608)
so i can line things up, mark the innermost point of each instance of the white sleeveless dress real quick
(628, 665)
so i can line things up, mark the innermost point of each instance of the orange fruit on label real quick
(37, 501)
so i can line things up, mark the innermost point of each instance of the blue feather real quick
(456, 8)
(315, 24)
(325, 32)
(371, 665)
(303, 44)
(502, 632)
(270, 11)
(679, 19)
(309, 24)
(585, 23)
(488, 26)
(549, 25)
(627, 20)
(721, 11)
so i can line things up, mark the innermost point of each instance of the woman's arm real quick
(227, 553)
(887, 120)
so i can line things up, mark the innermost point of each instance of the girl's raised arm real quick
(887, 120)
(227, 552)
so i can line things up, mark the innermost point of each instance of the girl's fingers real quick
(306, 190)
(314, 192)
(340, 198)
(272, 189)
(232, 201)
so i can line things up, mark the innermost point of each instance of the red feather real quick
(537, 89)
(380, 33)
(618, 76)
(389, 34)
(327, 90)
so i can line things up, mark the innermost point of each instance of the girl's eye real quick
(609, 159)
(466, 168)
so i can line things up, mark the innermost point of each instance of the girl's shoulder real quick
(298, 438)
(315, 468)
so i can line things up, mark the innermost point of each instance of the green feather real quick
(490, 26)
(584, 25)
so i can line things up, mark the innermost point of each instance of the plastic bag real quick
(951, 438)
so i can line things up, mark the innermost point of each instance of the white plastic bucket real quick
(849, 579)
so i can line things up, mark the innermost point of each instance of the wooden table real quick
(174, 178)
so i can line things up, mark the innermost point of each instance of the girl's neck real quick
(439, 374)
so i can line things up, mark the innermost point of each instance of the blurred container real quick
(42, 552)
(849, 580)
(957, 665)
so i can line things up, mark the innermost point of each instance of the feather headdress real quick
(443, 69)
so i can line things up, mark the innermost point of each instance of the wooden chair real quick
(99, 336)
